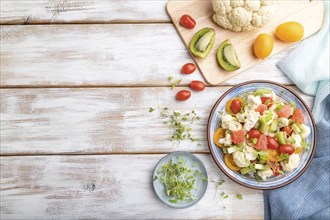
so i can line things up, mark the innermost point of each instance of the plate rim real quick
(213, 153)
(171, 154)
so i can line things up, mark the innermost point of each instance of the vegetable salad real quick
(261, 135)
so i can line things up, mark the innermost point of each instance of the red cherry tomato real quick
(272, 143)
(298, 116)
(188, 68)
(187, 22)
(236, 106)
(262, 142)
(237, 136)
(277, 170)
(286, 149)
(267, 101)
(183, 95)
(197, 85)
(254, 133)
(287, 130)
(261, 108)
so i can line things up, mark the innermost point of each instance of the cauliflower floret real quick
(221, 7)
(263, 15)
(230, 123)
(254, 101)
(226, 140)
(243, 15)
(294, 161)
(249, 153)
(297, 140)
(240, 159)
(264, 174)
(251, 120)
(307, 131)
(252, 5)
(239, 18)
(282, 122)
(241, 116)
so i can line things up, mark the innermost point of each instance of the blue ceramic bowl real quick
(217, 154)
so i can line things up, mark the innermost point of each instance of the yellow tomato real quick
(263, 46)
(219, 133)
(272, 155)
(229, 161)
(290, 31)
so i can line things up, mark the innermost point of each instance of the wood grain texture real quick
(86, 11)
(99, 120)
(104, 55)
(109, 187)
(307, 13)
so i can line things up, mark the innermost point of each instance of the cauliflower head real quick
(243, 15)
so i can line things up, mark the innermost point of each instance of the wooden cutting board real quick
(308, 13)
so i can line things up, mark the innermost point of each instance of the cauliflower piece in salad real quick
(251, 120)
(230, 123)
(307, 131)
(297, 140)
(253, 101)
(250, 153)
(226, 140)
(294, 161)
(243, 15)
(240, 160)
(283, 122)
(264, 174)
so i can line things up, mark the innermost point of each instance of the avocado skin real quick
(195, 39)
(222, 59)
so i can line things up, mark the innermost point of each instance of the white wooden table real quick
(77, 141)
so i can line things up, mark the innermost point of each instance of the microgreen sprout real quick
(174, 82)
(179, 123)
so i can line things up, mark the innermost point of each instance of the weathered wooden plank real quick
(104, 55)
(98, 120)
(109, 187)
(86, 11)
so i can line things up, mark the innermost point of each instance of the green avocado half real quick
(227, 57)
(202, 42)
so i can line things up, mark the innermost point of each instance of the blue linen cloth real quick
(309, 196)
